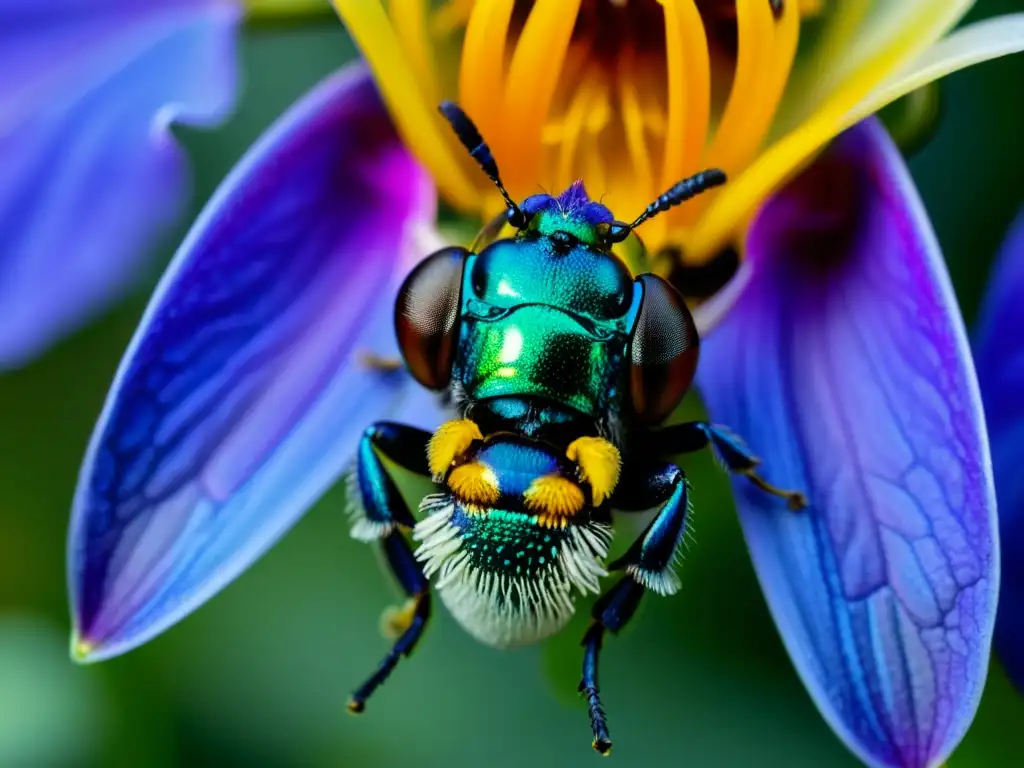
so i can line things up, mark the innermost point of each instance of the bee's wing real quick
(242, 396)
(844, 364)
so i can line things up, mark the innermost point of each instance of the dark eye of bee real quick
(664, 351)
(426, 316)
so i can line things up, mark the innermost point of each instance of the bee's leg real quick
(730, 449)
(645, 485)
(382, 514)
(611, 613)
(377, 506)
(648, 565)
(411, 619)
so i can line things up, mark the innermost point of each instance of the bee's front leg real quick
(380, 515)
(649, 564)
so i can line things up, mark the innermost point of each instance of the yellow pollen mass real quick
(474, 483)
(449, 442)
(553, 496)
(599, 464)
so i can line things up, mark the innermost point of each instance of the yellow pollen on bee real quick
(450, 441)
(554, 499)
(396, 619)
(475, 483)
(599, 462)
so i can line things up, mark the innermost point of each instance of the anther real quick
(776, 8)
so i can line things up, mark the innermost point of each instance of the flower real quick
(1000, 359)
(91, 171)
(837, 349)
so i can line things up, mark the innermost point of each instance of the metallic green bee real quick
(561, 366)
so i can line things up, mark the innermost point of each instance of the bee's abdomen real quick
(512, 539)
(506, 578)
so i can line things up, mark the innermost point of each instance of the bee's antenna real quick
(471, 139)
(679, 193)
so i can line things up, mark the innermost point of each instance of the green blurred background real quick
(260, 676)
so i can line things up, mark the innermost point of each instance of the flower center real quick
(630, 95)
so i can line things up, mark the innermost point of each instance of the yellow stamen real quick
(689, 90)
(532, 79)
(570, 130)
(756, 32)
(482, 71)
(409, 18)
(599, 464)
(475, 483)
(449, 442)
(554, 498)
(769, 93)
(592, 161)
(453, 15)
(416, 119)
(640, 190)
(552, 112)
(733, 206)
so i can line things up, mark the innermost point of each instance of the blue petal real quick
(91, 172)
(845, 365)
(242, 395)
(999, 355)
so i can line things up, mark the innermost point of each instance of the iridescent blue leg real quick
(730, 449)
(382, 507)
(414, 616)
(383, 510)
(645, 485)
(648, 564)
(611, 613)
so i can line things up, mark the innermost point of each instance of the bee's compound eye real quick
(663, 351)
(426, 316)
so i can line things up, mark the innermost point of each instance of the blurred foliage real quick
(260, 676)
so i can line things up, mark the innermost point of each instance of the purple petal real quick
(242, 395)
(844, 363)
(91, 172)
(999, 355)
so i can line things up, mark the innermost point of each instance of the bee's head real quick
(572, 217)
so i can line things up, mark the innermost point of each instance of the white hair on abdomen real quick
(495, 600)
